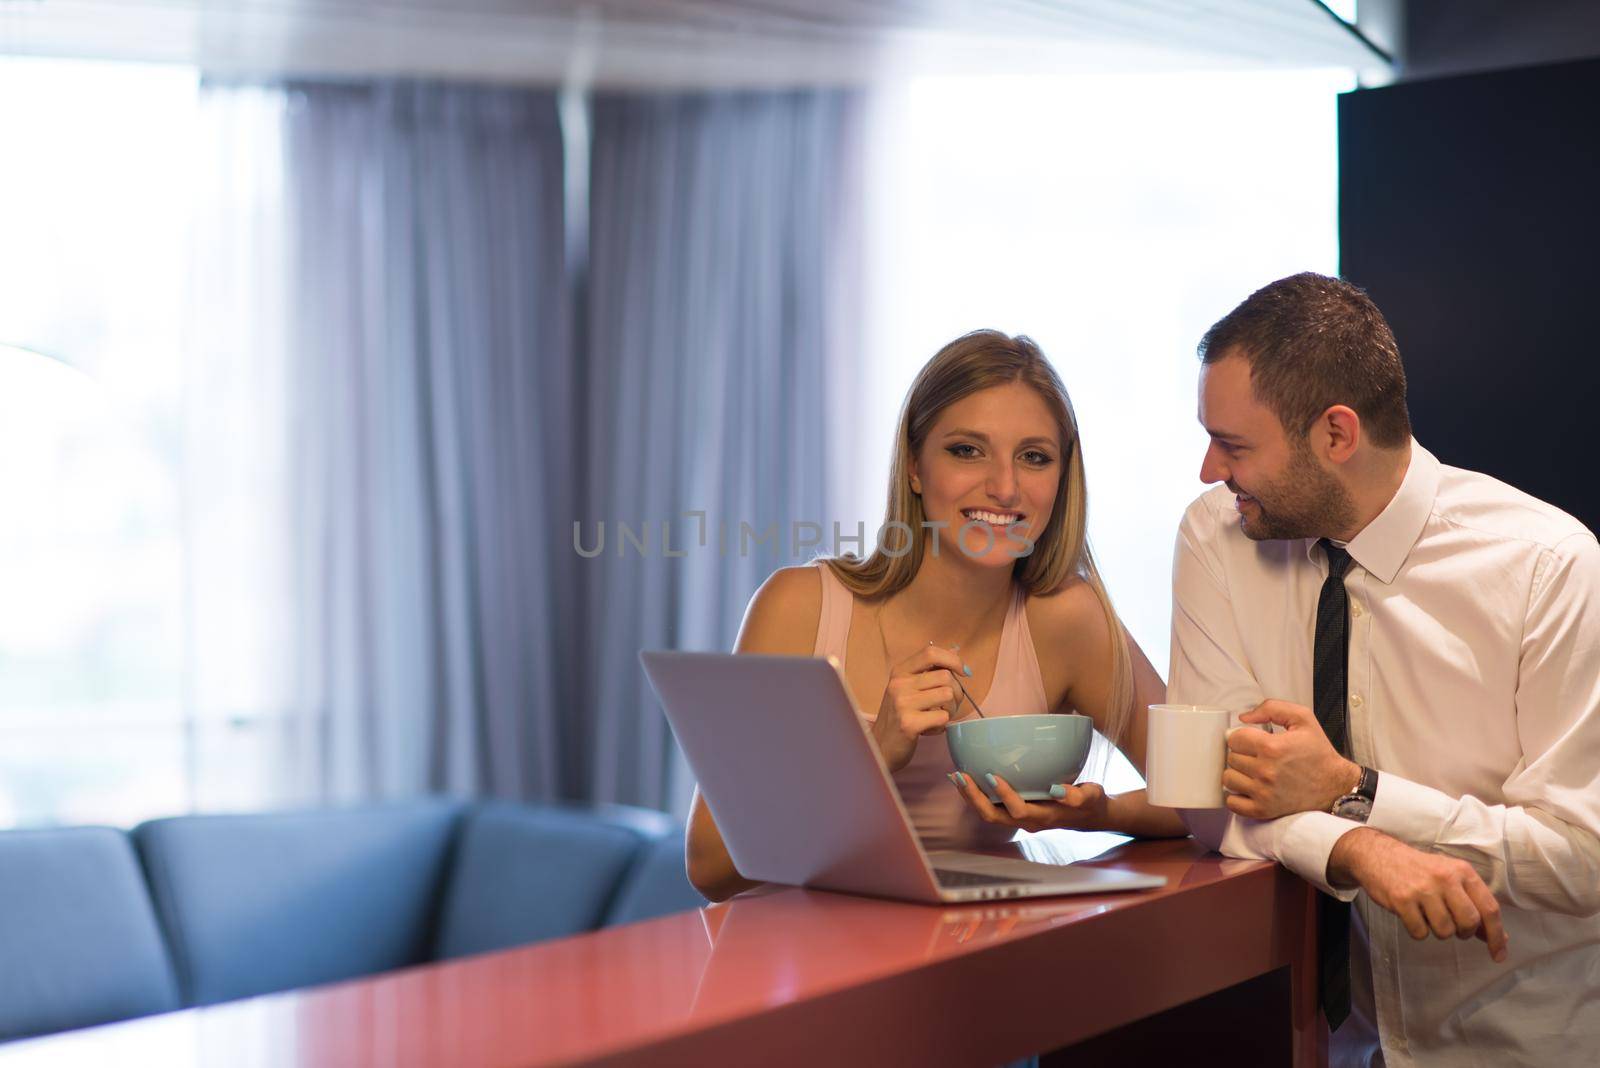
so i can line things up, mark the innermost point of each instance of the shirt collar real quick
(1383, 544)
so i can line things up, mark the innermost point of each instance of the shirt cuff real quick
(1410, 811)
(1304, 841)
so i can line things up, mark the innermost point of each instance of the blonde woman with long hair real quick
(983, 572)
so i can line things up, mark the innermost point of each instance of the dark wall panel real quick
(1456, 36)
(1470, 211)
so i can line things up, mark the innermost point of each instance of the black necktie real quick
(1329, 685)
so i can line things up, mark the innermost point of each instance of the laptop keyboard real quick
(955, 880)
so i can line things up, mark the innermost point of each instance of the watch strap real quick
(1366, 790)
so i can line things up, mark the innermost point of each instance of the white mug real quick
(1186, 753)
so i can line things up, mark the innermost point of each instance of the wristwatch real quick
(1358, 805)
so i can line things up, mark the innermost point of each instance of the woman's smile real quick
(993, 518)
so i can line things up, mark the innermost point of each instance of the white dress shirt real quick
(1474, 674)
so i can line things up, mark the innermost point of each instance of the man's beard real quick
(1305, 502)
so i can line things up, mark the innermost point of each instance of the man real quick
(1429, 639)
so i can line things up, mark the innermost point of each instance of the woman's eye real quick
(963, 452)
(1038, 459)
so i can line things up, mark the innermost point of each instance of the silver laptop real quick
(802, 797)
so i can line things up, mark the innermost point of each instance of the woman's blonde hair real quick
(977, 361)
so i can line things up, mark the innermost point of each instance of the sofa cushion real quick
(258, 903)
(656, 885)
(523, 874)
(79, 941)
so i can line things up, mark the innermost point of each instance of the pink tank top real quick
(941, 818)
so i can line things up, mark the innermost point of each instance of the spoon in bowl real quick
(967, 671)
(970, 701)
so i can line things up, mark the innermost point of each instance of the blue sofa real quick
(99, 925)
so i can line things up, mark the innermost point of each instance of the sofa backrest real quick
(97, 927)
(656, 885)
(524, 873)
(258, 903)
(79, 941)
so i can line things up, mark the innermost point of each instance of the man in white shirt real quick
(1456, 670)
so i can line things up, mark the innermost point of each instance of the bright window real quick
(1112, 218)
(94, 209)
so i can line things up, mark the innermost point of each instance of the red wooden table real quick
(786, 977)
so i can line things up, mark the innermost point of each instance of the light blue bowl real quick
(1032, 753)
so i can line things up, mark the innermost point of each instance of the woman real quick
(953, 608)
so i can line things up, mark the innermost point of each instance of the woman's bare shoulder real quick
(783, 614)
(1070, 617)
(1072, 641)
(1070, 635)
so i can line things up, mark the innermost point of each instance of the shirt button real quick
(1355, 609)
(1355, 700)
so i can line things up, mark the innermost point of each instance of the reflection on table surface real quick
(621, 987)
(1067, 847)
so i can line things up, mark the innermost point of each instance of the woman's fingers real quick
(975, 797)
(939, 702)
(1015, 806)
(931, 669)
(932, 678)
(924, 721)
(987, 809)
(941, 681)
(929, 658)
(932, 697)
(1085, 796)
(1029, 815)
(1079, 808)
(945, 697)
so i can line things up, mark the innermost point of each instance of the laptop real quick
(802, 797)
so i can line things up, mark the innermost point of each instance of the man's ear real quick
(1337, 433)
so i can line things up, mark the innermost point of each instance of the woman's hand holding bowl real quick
(1084, 807)
(920, 699)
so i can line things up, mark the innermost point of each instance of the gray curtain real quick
(466, 372)
(723, 341)
(431, 394)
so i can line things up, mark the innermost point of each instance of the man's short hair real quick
(1312, 342)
